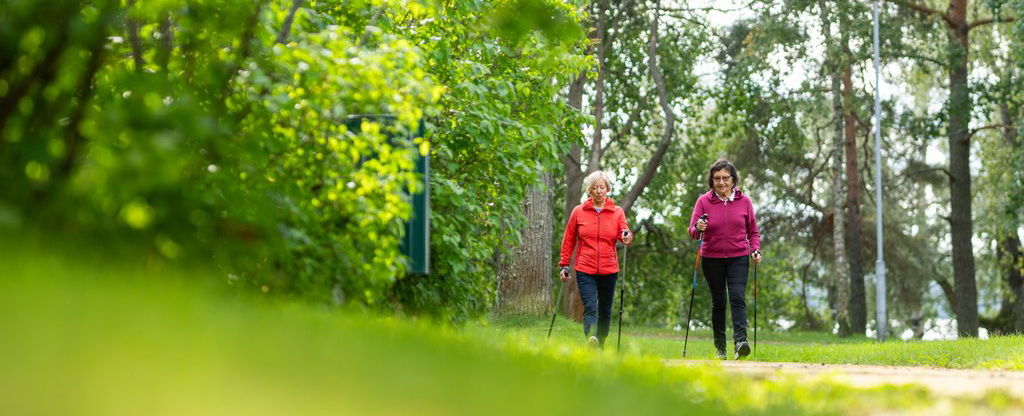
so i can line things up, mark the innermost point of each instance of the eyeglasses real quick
(722, 179)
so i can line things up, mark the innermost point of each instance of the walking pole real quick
(700, 242)
(622, 294)
(554, 310)
(755, 308)
(750, 256)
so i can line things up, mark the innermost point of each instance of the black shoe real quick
(742, 350)
(720, 355)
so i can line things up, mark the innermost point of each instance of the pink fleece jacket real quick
(732, 225)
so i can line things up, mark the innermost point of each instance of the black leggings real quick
(721, 274)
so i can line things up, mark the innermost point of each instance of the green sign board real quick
(416, 242)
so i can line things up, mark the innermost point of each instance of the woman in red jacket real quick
(595, 226)
(730, 235)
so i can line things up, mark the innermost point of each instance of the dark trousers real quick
(598, 294)
(727, 277)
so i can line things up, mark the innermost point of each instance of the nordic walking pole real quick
(622, 293)
(750, 254)
(755, 308)
(554, 310)
(700, 242)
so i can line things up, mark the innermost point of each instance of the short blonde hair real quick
(592, 178)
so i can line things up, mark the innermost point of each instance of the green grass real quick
(772, 337)
(85, 337)
(1002, 353)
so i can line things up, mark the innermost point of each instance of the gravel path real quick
(939, 380)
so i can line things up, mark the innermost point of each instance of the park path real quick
(941, 381)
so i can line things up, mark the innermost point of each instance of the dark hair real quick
(719, 165)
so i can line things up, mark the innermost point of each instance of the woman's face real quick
(599, 190)
(723, 181)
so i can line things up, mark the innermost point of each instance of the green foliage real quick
(503, 120)
(224, 140)
(999, 184)
(211, 128)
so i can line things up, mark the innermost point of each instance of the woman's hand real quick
(627, 237)
(702, 224)
(756, 257)
(564, 275)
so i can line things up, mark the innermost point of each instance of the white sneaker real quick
(593, 342)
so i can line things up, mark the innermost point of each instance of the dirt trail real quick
(694, 338)
(938, 380)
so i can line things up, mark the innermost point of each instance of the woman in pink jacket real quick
(730, 236)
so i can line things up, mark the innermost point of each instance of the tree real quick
(524, 277)
(959, 113)
(854, 242)
(1000, 152)
(834, 67)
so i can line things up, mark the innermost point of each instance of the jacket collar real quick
(589, 204)
(714, 199)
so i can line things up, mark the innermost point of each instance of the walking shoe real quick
(742, 350)
(592, 342)
(720, 354)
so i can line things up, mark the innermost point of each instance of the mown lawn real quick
(82, 337)
(999, 353)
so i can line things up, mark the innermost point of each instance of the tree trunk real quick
(858, 308)
(524, 278)
(947, 291)
(572, 306)
(166, 45)
(961, 222)
(810, 322)
(838, 234)
(282, 35)
(916, 323)
(132, 27)
(75, 141)
(1014, 277)
(602, 33)
(1011, 313)
(1013, 274)
(571, 161)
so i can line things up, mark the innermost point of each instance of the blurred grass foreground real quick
(83, 336)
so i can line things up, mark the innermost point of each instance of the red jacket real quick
(596, 234)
